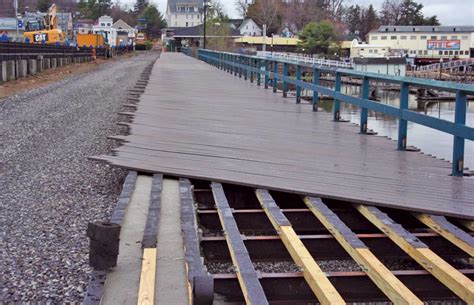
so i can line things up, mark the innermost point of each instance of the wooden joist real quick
(146, 292)
(461, 285)
(246, 274)
(443, 227)
(468, 224)
(314, 276)
(388, 283)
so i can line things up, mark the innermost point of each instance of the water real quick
(430, 141)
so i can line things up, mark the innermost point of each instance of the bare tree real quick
(266, 12)
(242, 7)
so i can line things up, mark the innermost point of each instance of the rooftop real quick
(424, 29)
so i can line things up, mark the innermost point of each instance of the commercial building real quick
(427, 44)
(184, 13)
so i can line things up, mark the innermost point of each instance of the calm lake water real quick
(430, 141)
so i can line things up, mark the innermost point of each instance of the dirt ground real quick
(52, 75)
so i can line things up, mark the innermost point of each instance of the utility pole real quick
(15, 5)
(264, 47)
(205, 20)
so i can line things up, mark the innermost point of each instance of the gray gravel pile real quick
(48, 188)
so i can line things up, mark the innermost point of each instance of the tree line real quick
(357, 19)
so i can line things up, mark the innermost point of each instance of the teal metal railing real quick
(255, 67)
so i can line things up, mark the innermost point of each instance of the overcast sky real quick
(449, 12)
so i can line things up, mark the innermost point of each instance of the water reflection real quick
(430, 141)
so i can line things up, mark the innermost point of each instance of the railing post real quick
(336, 108)
(252, 64)
(246, 67)
(275, 79)
(235, 65)
(316, 81)
(402, 124)
(259, 73)
(458, 144)
(285, 83)
(298, 87)
(267, 70)
(240, 66)
(363, 111)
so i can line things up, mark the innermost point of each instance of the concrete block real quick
(40, 65)
(3, 71)
(11, 71)
(32, 64)
(47, 64)
(21, 68)
(54, 63)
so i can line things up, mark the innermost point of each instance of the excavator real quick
(44, 31)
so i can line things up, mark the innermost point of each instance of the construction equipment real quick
(44, 31)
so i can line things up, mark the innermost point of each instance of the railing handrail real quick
(238, 63)
(308, 60)
(448, 64)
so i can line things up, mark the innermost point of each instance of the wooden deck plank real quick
(314, 276)
(246, 274)
(146, 292)
(389, 284)
(457, 282)
(199, 122)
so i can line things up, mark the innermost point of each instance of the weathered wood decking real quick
(199, 122)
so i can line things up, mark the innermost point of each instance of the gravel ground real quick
(48, 188)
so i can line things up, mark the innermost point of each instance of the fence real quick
(14, 51)
(256, 67)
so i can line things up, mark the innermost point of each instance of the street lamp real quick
(388, 59)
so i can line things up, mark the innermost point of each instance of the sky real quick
(449, 12)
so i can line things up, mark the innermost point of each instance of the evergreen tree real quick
(154, 20)
(317, 37)
(43, 5)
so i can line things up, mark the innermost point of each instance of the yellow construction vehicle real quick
(44, 31)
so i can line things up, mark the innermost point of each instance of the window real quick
(425, 52)
(376, 51)
(362, 49)
(419, 52)
(434, 37)
(186, 24)
(371, 51)
(403, 37)
(187, 8)
(374, 37)
(444, 37)
(440, 52)
(192, 16)
(412, 37)
(196, 9)
(446, 52)
(423, 37)
(454, 37)
(384, 37)
(393, 37)
(465, 37)
(450, 52)
(456, 53)
(102, 24)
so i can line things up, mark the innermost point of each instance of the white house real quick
(184, 13)
(250, 28)
(104, 25)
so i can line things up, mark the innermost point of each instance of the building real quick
(184, 13)
(125, 33)
(363, 50)
(8, 28)
(104, 26)
(387, 65)
(427, 44)
(246, 27)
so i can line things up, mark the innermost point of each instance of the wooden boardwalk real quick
(199, 122)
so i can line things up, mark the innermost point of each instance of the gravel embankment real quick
(48, 188)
